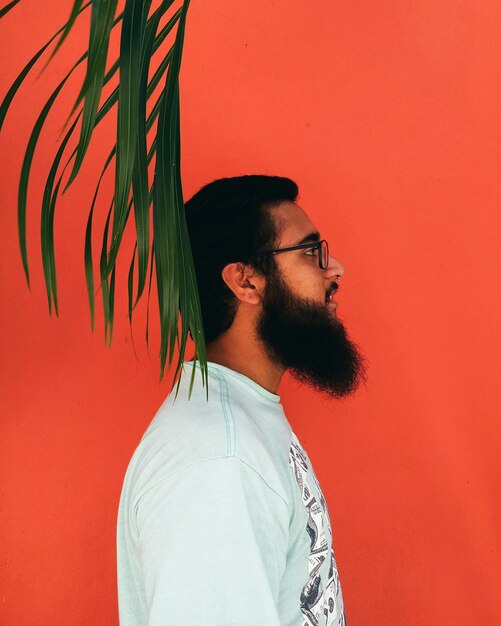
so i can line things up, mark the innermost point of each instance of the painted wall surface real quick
(387, 114)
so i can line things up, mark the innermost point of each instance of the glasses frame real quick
(304, 246)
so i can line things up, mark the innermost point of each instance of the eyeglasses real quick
(319, 248)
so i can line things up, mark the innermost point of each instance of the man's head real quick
(287, 293)
(228, 220)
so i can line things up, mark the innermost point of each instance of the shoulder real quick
(193, 432)
(183, 432)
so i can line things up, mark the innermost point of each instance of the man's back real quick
(221, 520)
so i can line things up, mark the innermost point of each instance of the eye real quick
(311, 252)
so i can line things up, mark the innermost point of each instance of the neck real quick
(238, 349)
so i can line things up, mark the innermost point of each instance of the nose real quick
(335, 267)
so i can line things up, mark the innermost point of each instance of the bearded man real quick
(222, 521)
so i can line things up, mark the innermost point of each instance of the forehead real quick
(292, 223)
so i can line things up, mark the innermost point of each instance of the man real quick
(222, 521)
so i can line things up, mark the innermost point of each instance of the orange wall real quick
(388, 116)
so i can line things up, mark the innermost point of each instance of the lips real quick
(332, 303)
(329, 299)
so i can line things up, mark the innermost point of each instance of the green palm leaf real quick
(170, 259)
(101, 20)
(150, 282)
(130, 286)
(100, 27)
(128, 131)
(8, 7)
(48, 205)
(140, 168)
(88, 249)
(48, 209)
(75, 10)
(26, 167)
(105, 286)
(28, 158)
(128, 108)
(89, 271)
(109, 103)
(4, 107)
(173, 265)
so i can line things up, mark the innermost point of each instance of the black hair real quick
(228, 220)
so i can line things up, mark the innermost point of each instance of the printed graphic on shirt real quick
(321, 601)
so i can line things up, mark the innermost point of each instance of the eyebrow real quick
(313, 236)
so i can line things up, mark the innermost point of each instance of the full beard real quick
(307, 338)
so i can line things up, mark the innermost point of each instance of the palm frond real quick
(127, 132)
(150, 282)
(101, 24)
(130, 286)
(169, 255)
(128, 108)
(48, 210)
(26, 168)
(75, 11)
(89, 269)
(101, 20)
(105, 286)
(139, 177)
(4, 107)
(8, 7)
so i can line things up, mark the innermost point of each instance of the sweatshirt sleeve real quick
(212, 546)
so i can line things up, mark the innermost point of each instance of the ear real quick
(246, 283)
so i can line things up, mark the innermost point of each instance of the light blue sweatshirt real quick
(221, 520)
